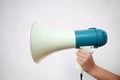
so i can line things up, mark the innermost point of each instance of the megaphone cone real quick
(44, 41)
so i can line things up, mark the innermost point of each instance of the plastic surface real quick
(91, 37)
(44, 41)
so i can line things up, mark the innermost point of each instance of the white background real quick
(16, 17)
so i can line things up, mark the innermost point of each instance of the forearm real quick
(101, 74)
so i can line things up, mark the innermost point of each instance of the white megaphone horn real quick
(44, 41)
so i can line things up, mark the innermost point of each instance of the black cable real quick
(81, 76)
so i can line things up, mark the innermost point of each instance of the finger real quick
(83, 52)
(80, 62)
(82, 55)
(81, 59)
(80, 51)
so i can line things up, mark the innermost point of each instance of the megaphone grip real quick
(89, 49)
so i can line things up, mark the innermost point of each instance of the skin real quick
(85, 59)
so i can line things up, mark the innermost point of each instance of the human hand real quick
(85, 59)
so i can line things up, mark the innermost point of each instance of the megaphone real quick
(44, 41)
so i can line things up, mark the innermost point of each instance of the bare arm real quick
(85, 59)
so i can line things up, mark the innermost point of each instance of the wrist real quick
(93, 70)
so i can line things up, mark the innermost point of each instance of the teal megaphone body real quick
(91, 37)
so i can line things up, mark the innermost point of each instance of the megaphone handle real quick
(88, 49)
